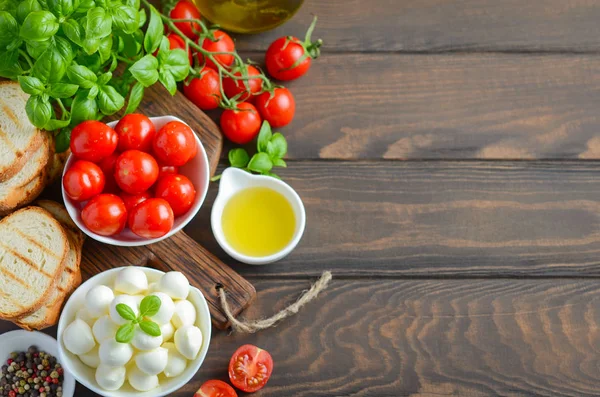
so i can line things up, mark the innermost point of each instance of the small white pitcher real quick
(232, 181)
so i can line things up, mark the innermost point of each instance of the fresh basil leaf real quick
(280, 146)
(9, 6)
(93, 93)
(126, 18)
(132, 43)
(104, 78)
(177, 63)
(91, 46)
(39, 26)
(113, 63)
(109, 100)
(38, 110)
(63, 46)
(54, 124)
(238, 158)
(50, 67)
(150, 305)
(62, 90)
(62, 140)
(272, 175)
(84, 6)
(61, 8)
(31, 85)
(261, 163)
(135, 98)
(167, 79)
(264, 136)
(8, 29)
(26, 7)
(125, 332)
(98, 24)
(150, 327)
(74, 32)
(279, 163)
(133, 3)
(142, 18)
(154, 32)
(10, 67)
(83, 108)
(105, 48)
(125, 312)
(36, 48)
(82, 76)
(145, 70)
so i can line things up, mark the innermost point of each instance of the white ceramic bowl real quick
(20, 341)
(197, 170)
(86, 375)
(232, 181)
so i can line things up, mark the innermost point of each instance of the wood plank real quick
(487, 106)
(442, 25)
(438, 219)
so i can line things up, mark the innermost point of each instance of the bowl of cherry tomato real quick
(135, 181)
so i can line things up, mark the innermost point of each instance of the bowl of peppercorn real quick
(29, 366)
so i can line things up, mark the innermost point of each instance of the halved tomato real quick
(250, 368)
(215, 388)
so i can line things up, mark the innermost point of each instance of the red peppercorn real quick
(60, 371)
(23, 368)
(48, 379)
(12, 393)
(36, 355)
(55, 381)
(41, 390)
(10, 361)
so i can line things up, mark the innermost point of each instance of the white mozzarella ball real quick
(91, 358)
(152, 287)
(188, 340)
(140, 381)
(185, 314)
(104, 328)
(78, 338)
(143, 341)
(167, 308)
(176, 363)
(115, 354)
(127, 300)
(152, 362)
(174, 284)
(98, 299)
(85, 315)
(110, 378)
(167, 330)
(131, 280)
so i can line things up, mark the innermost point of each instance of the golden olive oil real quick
(248, 16)
(258, 222)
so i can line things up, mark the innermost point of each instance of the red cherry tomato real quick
(83, 180)
(178, 191)
(205, 91)
(233, 87)
(215, 388)
(105, 215)
(107, 165)
(175, 41)
(166, 170)
(135, 171)
(174, 144)
(136, 132)
(151, 218)
(250, 368)
(278, 109)
(131, 200)
(93, 141)
(242, 124)
(185, 9)
(223, 43)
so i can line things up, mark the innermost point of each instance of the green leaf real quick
(83, 108)
(36, 48)
(279, 163)
(51, 66)
(149, 306)
(260, 163)
(61, 8)
(133, 3)
(126, 18)
(238, 158)
(105, 48)
(125, 333)
(26, 7)
(142, 18)
(54, 124)
(280, 146)
(132, 43)
(109, 100)
(272, 175)
(125, 312)
(167, 79)
(62, 140)
(94, 91)
(74, 31)
(90, 46)
(177, 63)
(62, 90)
(31, 85)
(154, 32)
(135, 98)
(39, 26)
(98, 25)
(150, 327)
(82, 76)
(38, 110)
(9, 6)
(10, 67)
(84, 6)
(64, 48)
(264, 136)
(9, 29)
(145, 70)
(104, 78)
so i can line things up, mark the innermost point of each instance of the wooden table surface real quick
(445, 154)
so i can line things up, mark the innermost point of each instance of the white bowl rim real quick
(187, 218)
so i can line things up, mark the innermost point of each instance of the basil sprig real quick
(149, 306)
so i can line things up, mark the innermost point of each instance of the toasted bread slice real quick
(19, 139)
(33, 247)
(59, 212)
(57, 165)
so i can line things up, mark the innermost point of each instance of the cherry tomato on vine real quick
(105, 215)
(223, 43)
(107, 165)
(278, 108)
(135, 131)
(152, 218)
(288, 58)
(250, 368)
(185, 9)
(178, 191)
(174, 144)
(242, 124)
(175, 41)
(215, 388)
(83, 180)
(93, 141)
(135, 171)
(204, 91)
(131, 200)
(233, 87)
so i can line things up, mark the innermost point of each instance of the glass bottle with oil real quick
(248, 16)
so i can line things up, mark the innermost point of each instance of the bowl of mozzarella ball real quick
(134, 331)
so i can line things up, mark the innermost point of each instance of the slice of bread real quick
(59, 212)
(19, 139)
(33, 247)
(57, 165)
